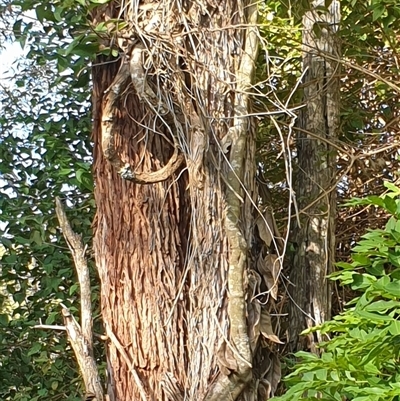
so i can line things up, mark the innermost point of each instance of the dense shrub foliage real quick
(361, 358)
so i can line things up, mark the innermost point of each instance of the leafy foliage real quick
(45, 151)
(360, 361)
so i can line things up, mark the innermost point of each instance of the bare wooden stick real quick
(77, 249)
(63, 328)
(81, 337)
(49, 327)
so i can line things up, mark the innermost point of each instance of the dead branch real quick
(50, 327)
(86, 362)
(80, 337)
(56, 327)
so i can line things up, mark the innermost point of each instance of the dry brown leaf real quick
(266, 327)
(254, 282)
(272, 287)
(261, 265)
(266, 231)
(253, 317)
(226, 359)
(269, 267)
(274, 374)
(264, 389)
(273, 265)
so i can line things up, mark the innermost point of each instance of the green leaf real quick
(77, 40)
(10, 259)
(3, 320)
(394, 328)
(36, 237)
(374, 317)
(362, 281)
(390, 204)
(379, 10)
(17, 28)
(393, 288)
(58, 14)
(44, 13)
(73, 288)
(321, 374)
(36, 347)
(85, 178)
(377, 269)
(382, 306)
(360, 259)
(391, 224)
(345, 265)
(101, 27)
(52, 317)
(6, 242)
(393, 188)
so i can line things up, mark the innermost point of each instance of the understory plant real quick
(361, 359)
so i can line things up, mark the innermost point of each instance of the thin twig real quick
(63, 328)
(127, 360)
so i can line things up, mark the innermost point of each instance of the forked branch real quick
(80, 336)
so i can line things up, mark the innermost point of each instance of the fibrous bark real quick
(173, 255)
(318, 125)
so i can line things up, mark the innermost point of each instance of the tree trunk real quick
(175, 189)
(315, 185)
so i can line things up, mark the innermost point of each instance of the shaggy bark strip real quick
(173, 256)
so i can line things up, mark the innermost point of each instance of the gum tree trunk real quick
(175, 190)
(315, 185)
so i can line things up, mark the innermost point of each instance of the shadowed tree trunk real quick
(175, 190)
(315, 185)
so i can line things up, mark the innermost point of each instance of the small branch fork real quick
(131, 72)
(80, 336)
